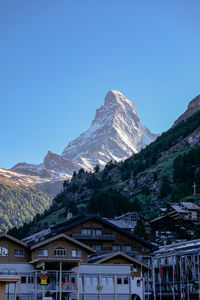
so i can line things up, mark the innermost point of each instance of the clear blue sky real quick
(58, 58)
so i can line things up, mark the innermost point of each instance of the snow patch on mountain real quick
(115, 134)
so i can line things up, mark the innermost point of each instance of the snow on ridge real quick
(115, 134)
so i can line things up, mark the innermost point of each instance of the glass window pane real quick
(23, 279)
(126, 280)
(98, 231)
(103, 281)
(127, 247)
(119, 280)
(88, 280)
(84, 231)
(110, 281)
(42, 252)
(116, 247)
(98, 247)
(94, 280)
(4, 251)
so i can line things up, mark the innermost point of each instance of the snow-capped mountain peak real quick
(115, 134)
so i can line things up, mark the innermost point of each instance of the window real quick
(23, 279)
(42, 252)
(94, 281)
(86, 231)
(122, 280)
(145, 249)
(3, 251)
(97, 247)
(110, 281)
(97, 231)
(88, 280)
(103, 281)
(30, 279)
(116, 247)
(76, 253)
(60, 252)
(19, 252)
(107, 280)
(125, 280)
(119, 280)
(138, 283)
(127, 247)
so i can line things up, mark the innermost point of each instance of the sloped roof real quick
(179, 209)
(62, 235)
(83, 219)
(107, 257)
(13, 239)
(190, 205)
(160, 218)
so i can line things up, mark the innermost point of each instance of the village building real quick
(66, 263)
(100, 234)
(176, 271)
(176, 222)
(128, 221)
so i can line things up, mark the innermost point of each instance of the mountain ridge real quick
(148, 180)
(114, 134)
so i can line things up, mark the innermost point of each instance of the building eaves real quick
(107, 257)
(87, 218)
(13, 239)
(62, 235)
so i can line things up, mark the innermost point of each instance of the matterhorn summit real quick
(115, 134)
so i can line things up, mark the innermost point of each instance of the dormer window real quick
(3, 251)
(60, 252)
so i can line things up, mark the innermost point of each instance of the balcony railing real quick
(130, 253)
(107, 237)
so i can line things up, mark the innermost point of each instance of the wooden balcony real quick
(100, 237)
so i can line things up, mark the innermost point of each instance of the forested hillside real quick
(19, 204)
(164, 171)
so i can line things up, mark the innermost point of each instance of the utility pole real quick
(194, 187)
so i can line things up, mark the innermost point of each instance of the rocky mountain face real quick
(193, 107)
(115, 134)
(162, 172)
